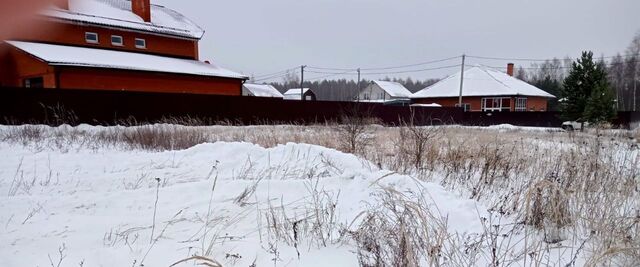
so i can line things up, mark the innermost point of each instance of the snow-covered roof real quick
(394, 89)
(294, 94)
(432, 105)
(262, 90)
(117, 13)
(481, 81)
(60, 55)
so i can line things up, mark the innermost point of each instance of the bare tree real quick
(353, 129)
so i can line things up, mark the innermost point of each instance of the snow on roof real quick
(481, 81)
(294, 91)
(59, 55)
(294, 94)
(263, 90)
(432, 105)
(394, 89)
(117, 13)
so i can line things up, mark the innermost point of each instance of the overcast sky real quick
(264, 36)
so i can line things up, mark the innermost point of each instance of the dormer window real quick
(141, 43)
(116, 40)
(91, 37)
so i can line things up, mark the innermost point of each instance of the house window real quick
(465, 106)
(116, 40)
(141, 43)
(91, 37)
(521, 104)
(496, 104)
(35, 82)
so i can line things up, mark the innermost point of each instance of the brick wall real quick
(74, 34)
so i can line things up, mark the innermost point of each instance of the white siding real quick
(373, 92)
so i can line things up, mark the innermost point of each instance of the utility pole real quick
(461, 82)
(635, 85)
(358, 96)
(302, 82)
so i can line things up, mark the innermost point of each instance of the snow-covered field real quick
(240, 204)
(100, 205)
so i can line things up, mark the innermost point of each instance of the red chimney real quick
(62, 4)
(510, 69)
(142, 8)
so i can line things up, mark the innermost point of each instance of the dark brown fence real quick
(539, 119)
(55, 106)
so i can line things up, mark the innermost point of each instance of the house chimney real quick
(62, 4)
(510, 69)
(142, 8)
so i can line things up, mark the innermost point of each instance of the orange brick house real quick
(485, 89)
(113, 45)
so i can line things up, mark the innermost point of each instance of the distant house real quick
(123, 45)
(260, 90)
(296, 94)
(383, 91)
(487, 90)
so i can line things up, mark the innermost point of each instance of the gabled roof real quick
(262, 90)
(117, 13)
(60, 55)
(394, 89)
(295, 94)
(481, 81)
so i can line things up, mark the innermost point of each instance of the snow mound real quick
(101, 204)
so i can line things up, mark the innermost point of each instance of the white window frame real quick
(493, 101)
(86, 37)
(121, 43)
(144, 43)
(521, 104)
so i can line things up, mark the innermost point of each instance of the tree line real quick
(622, 75)
(343, 89)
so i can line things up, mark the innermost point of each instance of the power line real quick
(325, 72)
(539, 59)
(608, 65)
(410, 71)
(275, 73)
(413, 65)
(270, 77)
(330, 75)
(387, 68)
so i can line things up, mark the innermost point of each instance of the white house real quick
(383, 91)
(296, 94)
(260, 90)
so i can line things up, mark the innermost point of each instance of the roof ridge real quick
(496, 79)
(115, 19)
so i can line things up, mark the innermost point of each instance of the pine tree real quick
(586, 95)
(600, 105)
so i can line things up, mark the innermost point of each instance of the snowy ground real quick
(154, 195)
(98, 206)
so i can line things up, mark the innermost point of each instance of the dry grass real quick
(578, 190)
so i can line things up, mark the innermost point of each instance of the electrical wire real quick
(330, 75)
(387, 68)
(410, 71)
(534, 59)
(275, 73)
(270, 77)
